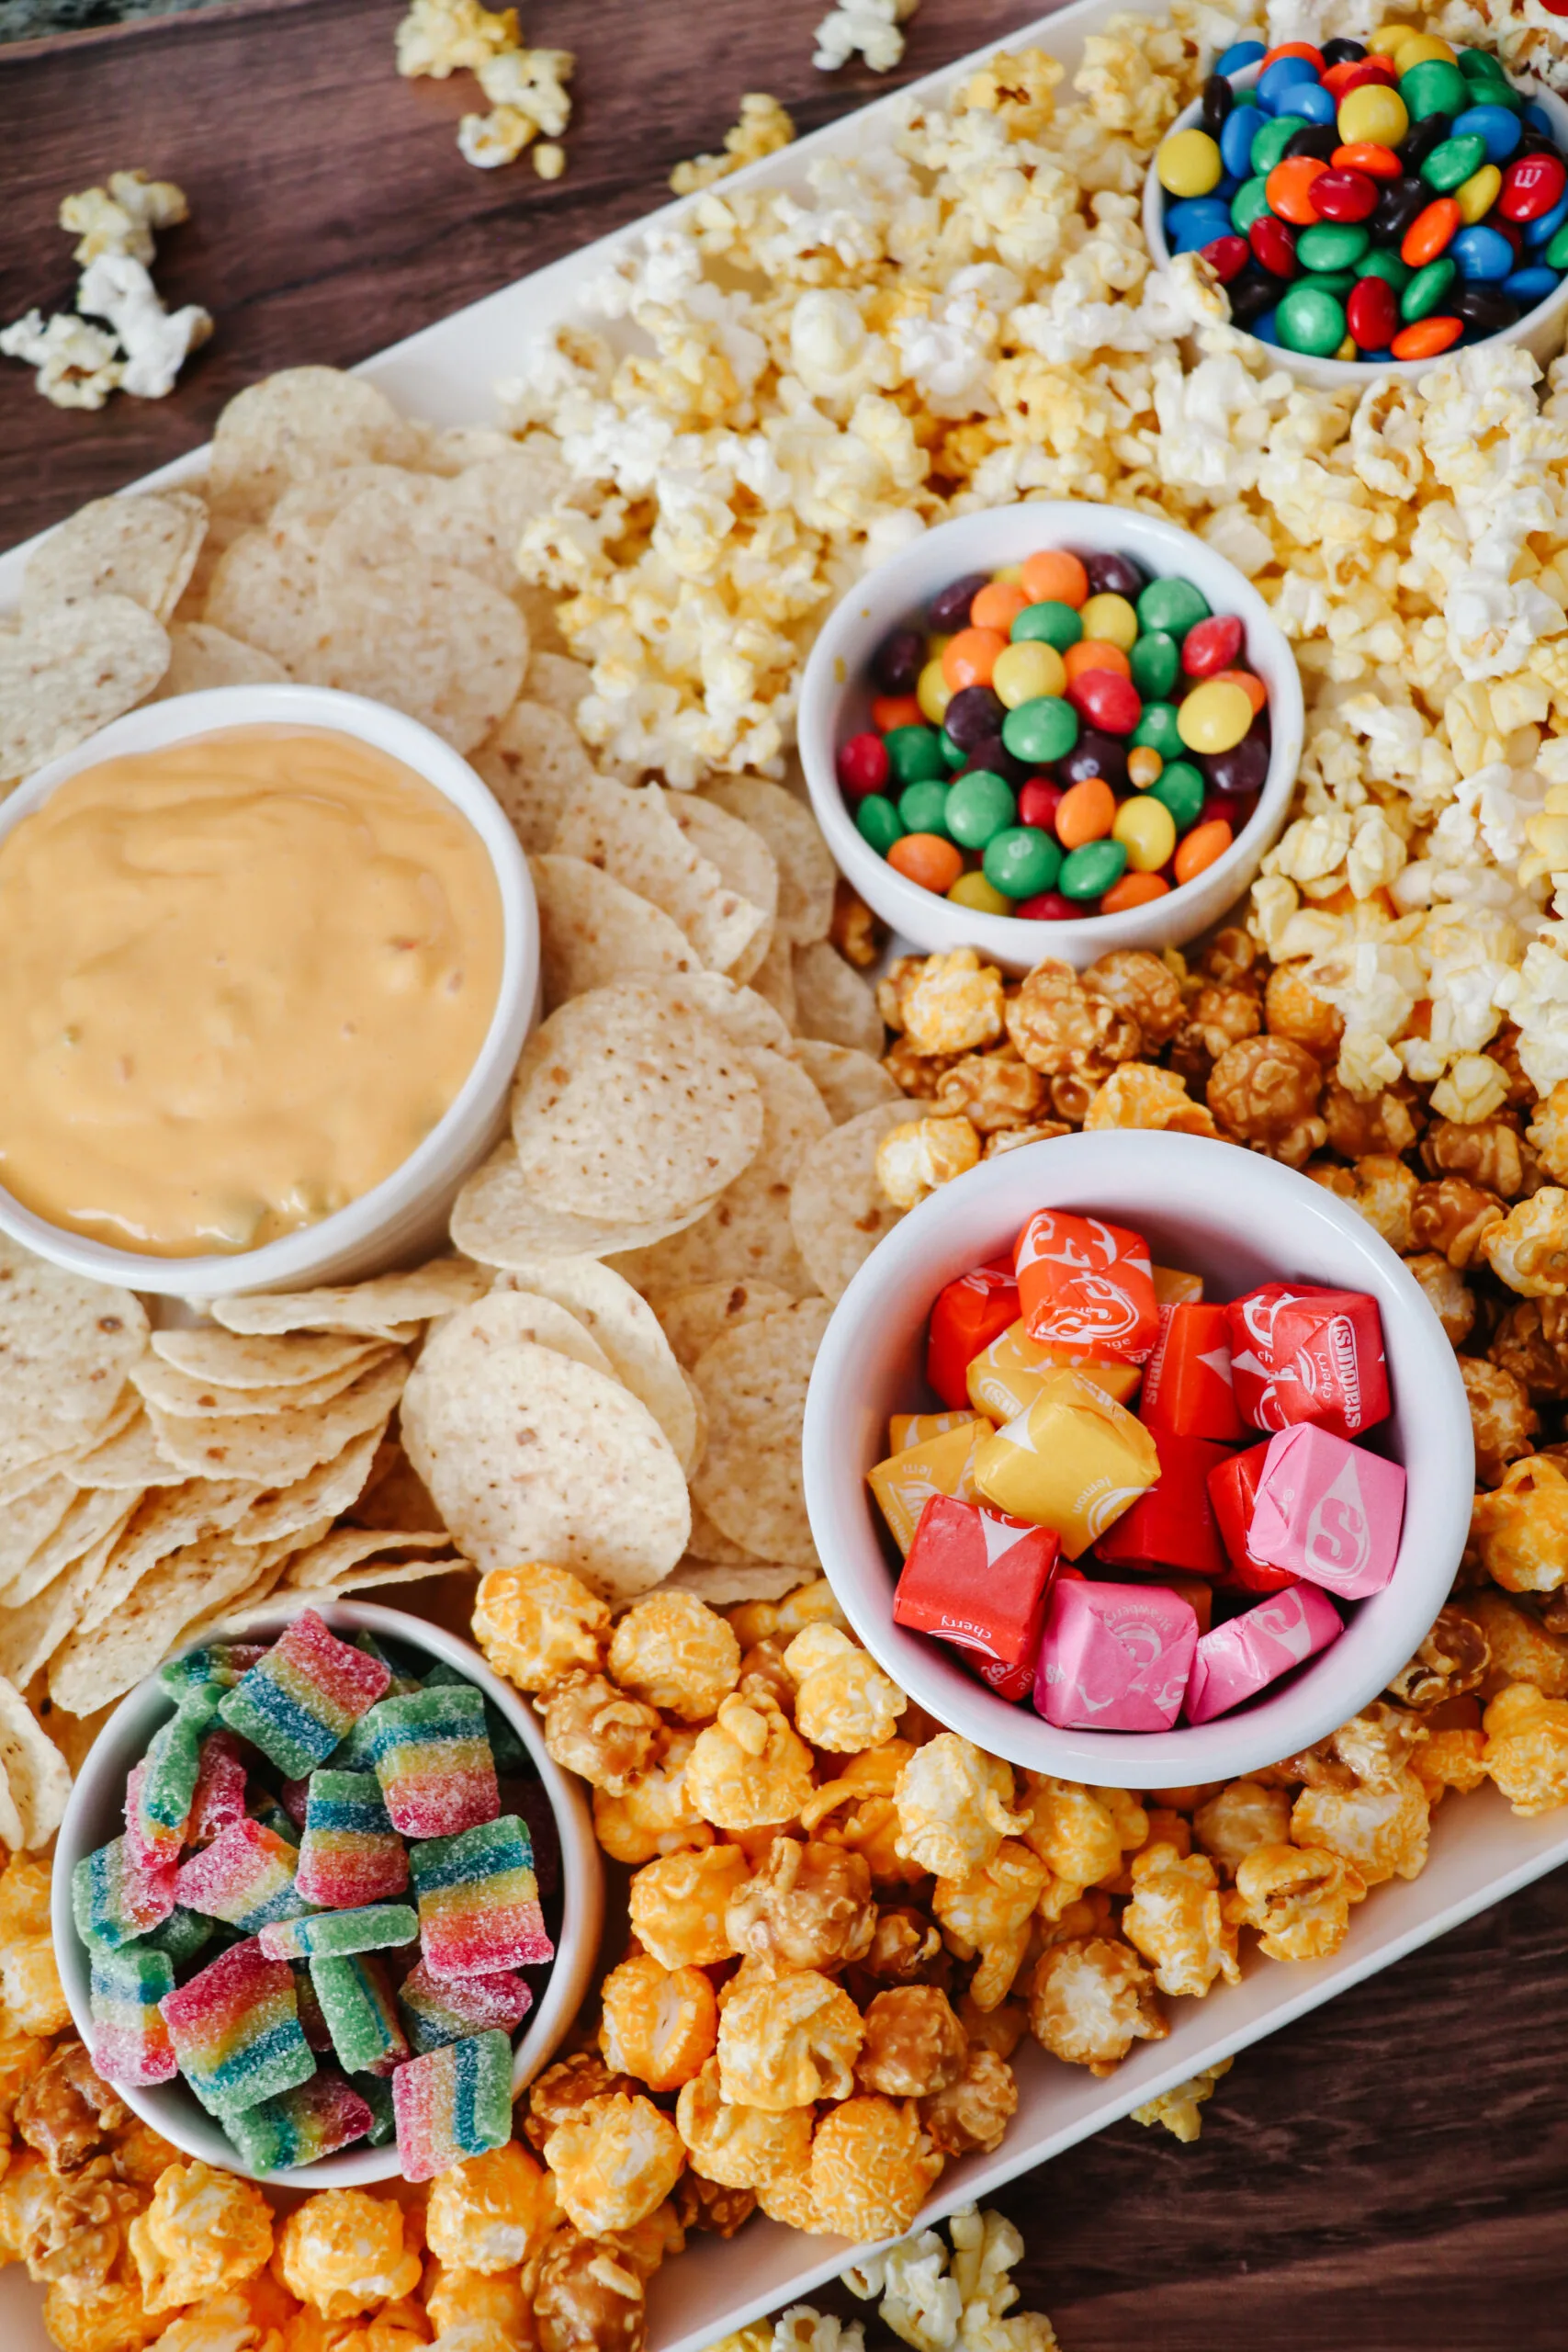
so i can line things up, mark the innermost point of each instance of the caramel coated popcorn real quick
(1089, 1999)
(536, 1623)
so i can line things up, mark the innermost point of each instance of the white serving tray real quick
(1480, 1852)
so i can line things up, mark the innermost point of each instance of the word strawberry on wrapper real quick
(1187, 1387)
(1328, 1511)
(1302, 1353)
(967, 1316)
(979, 1580)
(1173, 1525)
(905, 1482)
(1240, 1659)
(1115, 1656)
(1074, 1462)
(1087, 1287)
(1233, 1493)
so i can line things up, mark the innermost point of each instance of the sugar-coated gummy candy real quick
(403, 1680)
(245, 1877)
(179, 1937)
(220, 1786)
(350, 1854)
(225, 1663)
(274, 1817)
(235, 2028)
(304, 1696)
(377, 1927)
(506, 1746)
(478, 1901)
(131, 2041)
(362, 2018)
(312, 2018)
(452, 2104)
(159, 1791)
(300, 2126)
(434, 1761)
(437, 2011)
(377, 2097)
(115, 1899)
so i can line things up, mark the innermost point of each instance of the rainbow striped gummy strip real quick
(432, 1759)
(453, 2103)
(304, 1696)
(131, 2040)
(478, 1901)
(235, 2030)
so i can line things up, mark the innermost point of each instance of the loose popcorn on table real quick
(526, 87)
(143, 346)
(868, 28)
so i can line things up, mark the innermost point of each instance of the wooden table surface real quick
(1388, 2176)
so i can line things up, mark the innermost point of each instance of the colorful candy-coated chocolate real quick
(433, 1762)
(375, 1926)
(478, 1901)
(1236, 1660)
(453, 2103)
(1115, 1656)
(235, 2030)
(358, 2003)
(246, 1878)
(115, 1898)
(314, 2120)
(1328, 1511)
(301, 1699)
(129, 2040)
(436, 2011)
(350, 1854)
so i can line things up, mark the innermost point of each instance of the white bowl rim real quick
(169, 2108)
(1011, 940)
(848, 1537)
(294, 1257)
(1328, 373)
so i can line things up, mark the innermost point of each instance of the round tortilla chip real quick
(836, 1209)
(300, 421)
(594, 932)
(746, 1018)
(802, 859)
(627, 1106)
(534, 764)
(745, 862)
(433, 641)
(848, 1080)
(693, 1319)
(380, 1309)
(143, 545)
(497, 1220)
(263, 592)
(833, 1001)
(720, 1585)
(70, 671)
(753, 1382)
(530, 1456)
(633, 834)
(201, 656)
(234, 1360)
(512, 1312)
(38, 1778)
(622, 1324)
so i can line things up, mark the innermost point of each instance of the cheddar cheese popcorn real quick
(871, 2168)
(737, 2145)
(534, 1624)
(204, 2231)
(654, 1812)
(344, 2252)
(843, 1701)
(491, 2212)
(786, 2040)
(658, 2024)
(677, 1654)
(613, 2162)
(953, 1806)
(749, 1768)
(1526, 1748)
(1176, 1919)
(679, 1902)
(1089, 1999)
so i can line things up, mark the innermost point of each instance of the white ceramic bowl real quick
(405, 1216)
(96, 1812)
(1541, 330)
(1239, 1220)
(835, 700)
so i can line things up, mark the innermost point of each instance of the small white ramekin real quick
(835, 695)
(96, 1812)
(405, 1216)
(1239, 1220)
(1541, 330)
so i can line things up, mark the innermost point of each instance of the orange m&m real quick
(1365, 155)
(1202, 846)
(1430, 232)
(1427, 338)
(1288, 189)
(930, 861)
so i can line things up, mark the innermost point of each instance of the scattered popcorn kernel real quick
(654, 1812)
(740, 2147)
(445, 37)
(762, 129)
(916, 1157)
(678, 1905)
(491, 2212)
(536, 1622)
(914, 2044)
(954, 1806)
(1526, 1748)
(592, 1728)
(749, 1768)
(1520, 1530)
(1179, 2111)
(989, 1913)
(806, 1907)
(1382, 1831)
(844, 1701)
(1177, 1920)
(613, 2162)
(344, 2251)
(203, 2231)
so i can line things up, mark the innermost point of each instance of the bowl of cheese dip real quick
(268, 956)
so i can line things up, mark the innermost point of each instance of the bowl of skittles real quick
(1369, 205)
(1051, 729)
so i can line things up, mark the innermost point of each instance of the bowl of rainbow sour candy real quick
(324, 1903)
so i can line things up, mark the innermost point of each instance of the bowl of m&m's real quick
(1371, 204)
(1136, 1459)
(323, 1901)
(1051, 728)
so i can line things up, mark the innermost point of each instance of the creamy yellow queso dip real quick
(240, 980)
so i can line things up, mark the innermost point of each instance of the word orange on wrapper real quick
(1202, 1560)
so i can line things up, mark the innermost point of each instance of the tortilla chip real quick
(496, 1219)
(332, 1561)
(802, 859)
(753, 1382)
(66, 1346)
(333, 1486)
(378, 1309)
(535, 763)
(627, 1106)
(300, 421)
(745, 863)
(773, 980)
(68, 672)
(848, 1080)
(37, 1776)
(833, 1001)
(30, 1523)
(694, 1319)
(236, 1360)
(272, 1449)
(143, 546)
(594, 932)
(747, 1236)
(555, 680)
(529, 1456)
(380, 1571)
(92, 1515)
(712, 1548)
(91, 1668)
(719, 1586)
(430, 640)
(472, 519)
(201, 656)
(163, 1385)
(624, 1326)
(394, 1495)
(838, 1210)
(132, 1458)
(263, 592)
(156, 1525)
(632, 832)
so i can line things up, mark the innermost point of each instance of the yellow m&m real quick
(1372, 115)
(1189, 164)
(1146, 831)
(1214, 717)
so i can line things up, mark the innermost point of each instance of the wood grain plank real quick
(332, 211)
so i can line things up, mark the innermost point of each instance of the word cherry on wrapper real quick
(1196, 1460)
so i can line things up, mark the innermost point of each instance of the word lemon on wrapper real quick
(290, 1979)
(1379, 200)
(1067, 736)
(1103, 1535)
